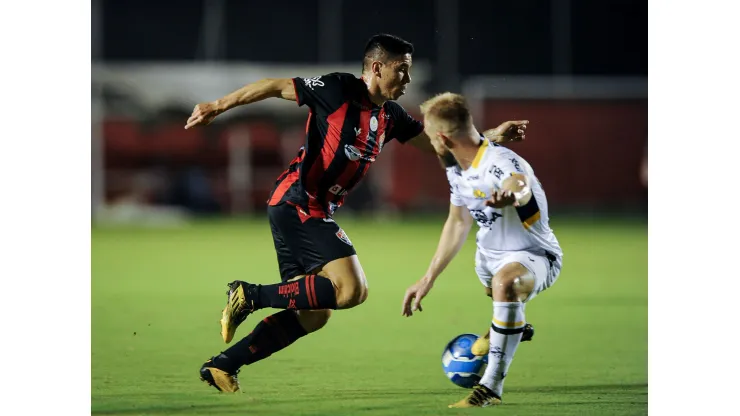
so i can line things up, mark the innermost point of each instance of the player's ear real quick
(446, 140)
(376, 66)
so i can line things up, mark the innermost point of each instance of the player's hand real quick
(500, 199)
(203, 114)
(414, 295)
(507, 132)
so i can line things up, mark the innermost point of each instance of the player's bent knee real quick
(513, 283)
(313, 320)
(349, 281)
(350, 294)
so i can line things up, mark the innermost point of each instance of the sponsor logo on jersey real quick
(485, 219)
(516, 164)
(479, 194)
(338, 190)
(496, 171)
(354, 154)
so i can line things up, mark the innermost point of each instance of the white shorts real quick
(544, 271)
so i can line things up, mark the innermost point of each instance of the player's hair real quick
(383, 47)
(449, 112)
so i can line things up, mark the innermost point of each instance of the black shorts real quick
(304, 243)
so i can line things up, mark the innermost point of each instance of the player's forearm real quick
(422, 143)
(257, 91)
(453, 237)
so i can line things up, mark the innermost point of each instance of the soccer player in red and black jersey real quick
(350, 121)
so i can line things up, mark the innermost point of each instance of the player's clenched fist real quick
(203, 114)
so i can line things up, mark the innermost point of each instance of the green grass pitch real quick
(157, 296)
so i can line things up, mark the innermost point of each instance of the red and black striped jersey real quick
(345, 133)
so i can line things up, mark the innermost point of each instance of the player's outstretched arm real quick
(454, 234)
(515, 190)
(507, 132)
(204, 113)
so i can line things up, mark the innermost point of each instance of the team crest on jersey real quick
(343, 236)
(479, 194)
(374, 123)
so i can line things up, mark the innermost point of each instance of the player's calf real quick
(511, 286)
(271, 335)
(312, 321)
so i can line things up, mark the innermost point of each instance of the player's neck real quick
(466, 153)
(373, 91)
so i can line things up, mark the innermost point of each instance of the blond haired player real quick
(518, 255)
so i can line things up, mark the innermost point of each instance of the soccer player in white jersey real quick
(517, 253)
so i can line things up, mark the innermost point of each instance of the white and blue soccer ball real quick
(460, 365)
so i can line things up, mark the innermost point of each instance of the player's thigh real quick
(483, 272)
(314, 242)
(345, 272)
(288, 262)
(333, 256)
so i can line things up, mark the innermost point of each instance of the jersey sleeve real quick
(404, 126)
(455, 198)
(324, 92)
(503, 166)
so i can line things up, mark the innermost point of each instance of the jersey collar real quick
(481, 151)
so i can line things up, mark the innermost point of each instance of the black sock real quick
(310, 292)
(271, 335)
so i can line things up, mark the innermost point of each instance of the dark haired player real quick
(350, 121)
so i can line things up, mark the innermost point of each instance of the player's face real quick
(395, 75)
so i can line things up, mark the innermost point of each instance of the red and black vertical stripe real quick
(344, 129)
(369, 152)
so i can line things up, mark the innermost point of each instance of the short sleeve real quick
(404, 126)
(455, 198)
(326, 92)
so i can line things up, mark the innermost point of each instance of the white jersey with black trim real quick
(507, 229)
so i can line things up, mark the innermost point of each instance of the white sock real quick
(506, 333)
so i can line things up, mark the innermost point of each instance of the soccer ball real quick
(460, 365)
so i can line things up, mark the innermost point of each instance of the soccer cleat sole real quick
(465, 404)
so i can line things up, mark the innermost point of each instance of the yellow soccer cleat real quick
(237, 308)
(481, 396)
(481, 345)
(222, 380)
